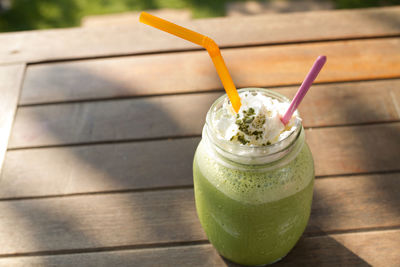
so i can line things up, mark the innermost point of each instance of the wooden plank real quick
(349, 103)
(181, 115)
(395, 95)
(365, 201)
(110, 120)
(193, 71)
(111, 167)
(36, 46)
(362, 149)
(375, 248)
(361, 249)
(10, 85)
(70, 170)
(201, 255)
(112, 220)
(98, 221)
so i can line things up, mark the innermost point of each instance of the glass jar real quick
(253, 202)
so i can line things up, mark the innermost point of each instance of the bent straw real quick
(316, 68)
(204, 41)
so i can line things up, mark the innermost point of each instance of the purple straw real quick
(316, 68)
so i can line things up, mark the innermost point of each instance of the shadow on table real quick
(97, 221)
(387, 19)
(313, 251)
(40, 226)
(47, 227)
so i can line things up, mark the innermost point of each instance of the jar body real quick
(253, 214)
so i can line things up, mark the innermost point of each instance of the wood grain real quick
(36, 46)
(361, 249)
(193, 71)
(181, 115)
(111, 167)
(10, 85)
(107, 220)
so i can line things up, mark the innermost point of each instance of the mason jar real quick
(253, 202)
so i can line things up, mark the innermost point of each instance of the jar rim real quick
(251, 154)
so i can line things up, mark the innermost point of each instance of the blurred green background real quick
(42, 14)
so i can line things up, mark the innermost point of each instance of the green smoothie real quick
(253, 214)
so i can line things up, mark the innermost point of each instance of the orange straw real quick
(204, 41)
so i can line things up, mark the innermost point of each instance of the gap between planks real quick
(222, 47)
(48, 171)
(362, 103)
(192, 71)
(184, 243)
(168, 188)
(177, 137)
(206, 91)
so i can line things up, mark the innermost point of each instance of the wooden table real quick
(99, 127)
